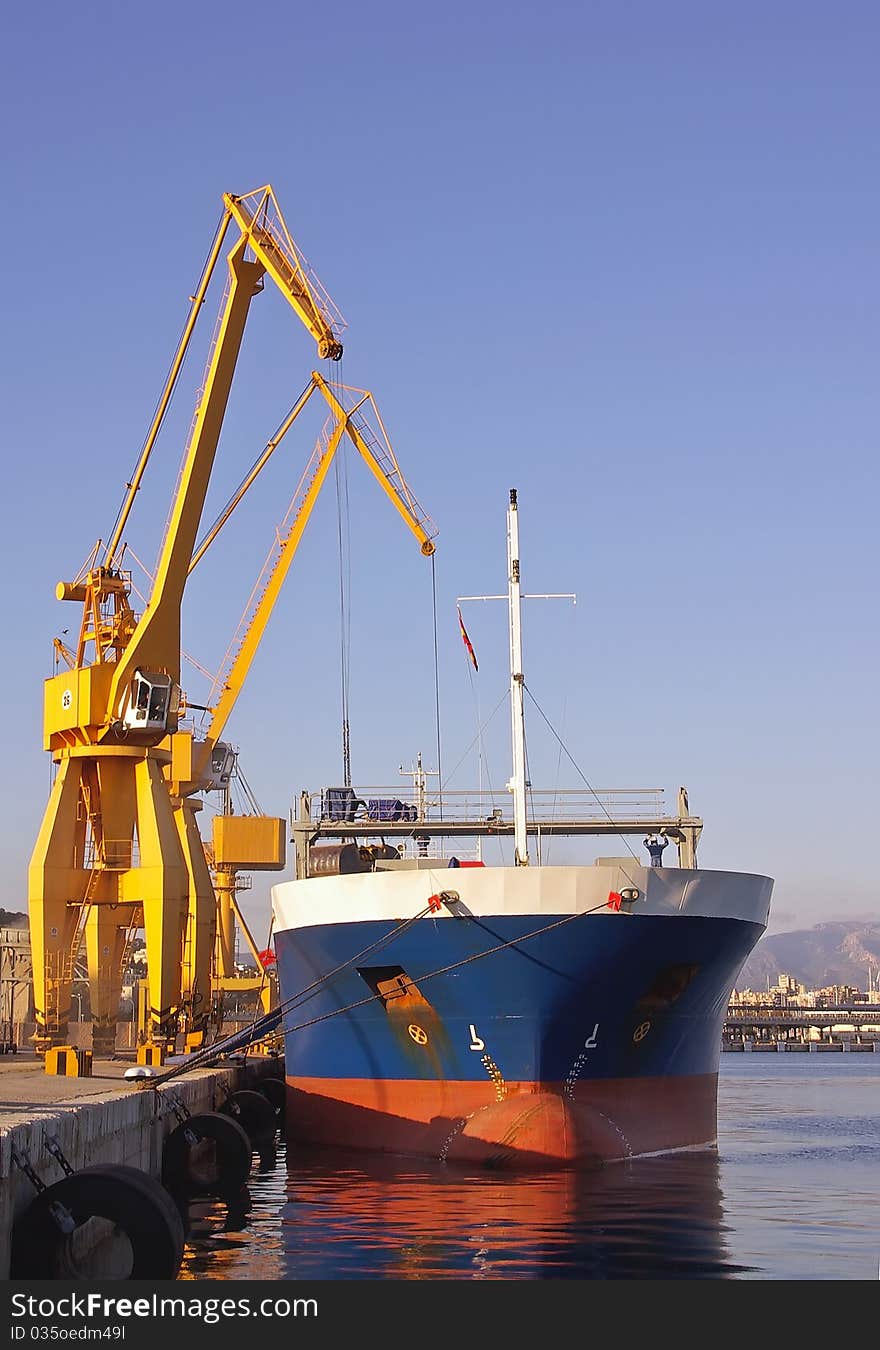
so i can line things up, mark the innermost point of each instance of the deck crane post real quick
(111, 845)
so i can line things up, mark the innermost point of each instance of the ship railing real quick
(394, 805)
(440, 854)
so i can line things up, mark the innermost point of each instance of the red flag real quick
(267, 958)
(466, 640)
(614, 900)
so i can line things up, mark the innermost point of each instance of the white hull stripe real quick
(515, 891)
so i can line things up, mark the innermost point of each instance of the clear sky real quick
(620, 256)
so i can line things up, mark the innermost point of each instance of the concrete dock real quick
(99, 1119)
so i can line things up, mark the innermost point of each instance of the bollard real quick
(151, 1054)
(66, 1061)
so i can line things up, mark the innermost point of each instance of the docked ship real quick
(522, 1016)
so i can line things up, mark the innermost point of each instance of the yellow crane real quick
(118, 843)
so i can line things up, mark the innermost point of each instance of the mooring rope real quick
(444, 970)
(271, 1021)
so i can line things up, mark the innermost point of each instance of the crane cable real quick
(262, 1025)
(445, 970)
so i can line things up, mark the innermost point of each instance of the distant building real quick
(788, 992)
(838, 996)
(16, 986)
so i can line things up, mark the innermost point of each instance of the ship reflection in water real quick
(323, 1216)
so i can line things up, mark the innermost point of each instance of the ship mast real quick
(517, 784)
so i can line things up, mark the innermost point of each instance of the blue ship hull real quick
(486, 1039)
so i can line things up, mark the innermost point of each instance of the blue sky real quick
(621, 257)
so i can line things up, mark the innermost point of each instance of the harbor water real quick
(793, 1193)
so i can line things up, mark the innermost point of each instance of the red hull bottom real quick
(532, 1126)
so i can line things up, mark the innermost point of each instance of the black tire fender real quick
(224, 1173)
(130, 1199)
(254, 1113)
(160, 1194)
(275, 1091)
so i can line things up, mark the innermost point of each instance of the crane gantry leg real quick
(57, 881)
(161, 884)
(201, 926)
(138, 860)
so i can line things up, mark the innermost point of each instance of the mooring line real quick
(272, 1019)
(444, 970)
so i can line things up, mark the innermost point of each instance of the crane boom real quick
(381, 460)
(375, 449)
(155, 642)
(259, 218)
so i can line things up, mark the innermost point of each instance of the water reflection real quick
(327, 1216)
(799, 1171)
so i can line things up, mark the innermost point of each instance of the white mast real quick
(517, 784)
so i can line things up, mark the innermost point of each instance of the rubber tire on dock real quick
(254, 1113)
(275, 1091)
(233, 1157)
(134, 1201)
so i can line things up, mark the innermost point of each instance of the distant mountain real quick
(12, 919)
(829, 953)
